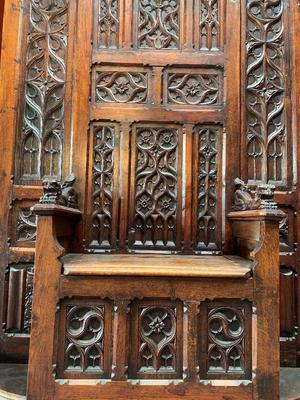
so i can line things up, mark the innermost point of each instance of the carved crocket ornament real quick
(63, 194)
(261, 197)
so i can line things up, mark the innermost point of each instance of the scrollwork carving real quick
(26, 225)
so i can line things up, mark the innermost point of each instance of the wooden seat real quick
(157, 265)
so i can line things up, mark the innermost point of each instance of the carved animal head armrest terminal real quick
(58, 193)
(262, 197)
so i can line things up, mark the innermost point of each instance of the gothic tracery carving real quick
(26, 225)
(209, 25)
(108, 24)
(265, 95)
(43, 117)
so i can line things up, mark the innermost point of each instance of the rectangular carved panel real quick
(103, 193)
(208, 21)
(265, 93)
(42, 133)
(84, 350)
(192, 87)
(18, 301)
(108, 24)
(121, 85)
(155, 212)
(23, 224)
(158, 24)
(226, 340)
(207, 218)
(156, 347)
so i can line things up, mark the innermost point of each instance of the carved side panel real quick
(42, 133)
(208, 200)
(265, 93)
(22, 223)
(104, 166)
(108, 24)
(86, 342)
(156, 352)
(18, 298)
(196, 88)
(208, 34)
(226, 347)
(158, 24)
(156, 197)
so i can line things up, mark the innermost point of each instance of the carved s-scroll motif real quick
(265, 94)
(226, 341)
(85, 335)
(207, 186)
(108, 34)
(209, 25)
(193, 88)
(121, 87)
(157, 331)
(26, 225)
(158, 24)
(43, 118)
(154, 222)
(103, 169)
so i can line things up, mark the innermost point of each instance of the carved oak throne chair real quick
(108, 325)
(163, 282)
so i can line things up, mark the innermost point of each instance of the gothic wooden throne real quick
(138, 325)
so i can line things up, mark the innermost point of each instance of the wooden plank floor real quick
(13, 382)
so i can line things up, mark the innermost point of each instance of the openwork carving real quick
(226, 340)
(207, 200)
(108, 36)
(121, 87)
(158, 24)
(104, 143)
(209, 25)
(261, 197)
(28, 299)
(266, 85)
(193, 88)
(157, 331)
(156, 170)
(26, 225)
(85, 334)
(60, 193)
(43, 119)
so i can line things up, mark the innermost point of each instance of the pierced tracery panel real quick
(84, 339)
(228, 340)
(156, 198)
(108, 24)
(102, 225)
(200, 87)
(158, 25)
(265, 94)
(45, 75)
(208, 193)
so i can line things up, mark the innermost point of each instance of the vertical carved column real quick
(120, 340)
(265, 93)
(45, 77)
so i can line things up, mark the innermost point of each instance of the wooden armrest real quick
(56, 210)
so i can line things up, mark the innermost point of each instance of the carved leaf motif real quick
(193, 89)
(43, 125)
(157, 334)
(85, 333)
(104, 142)
(266, 85)
(122, 87)
(155, 187)
(158, 24)
(207, 204)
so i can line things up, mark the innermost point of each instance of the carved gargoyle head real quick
(52, 191)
